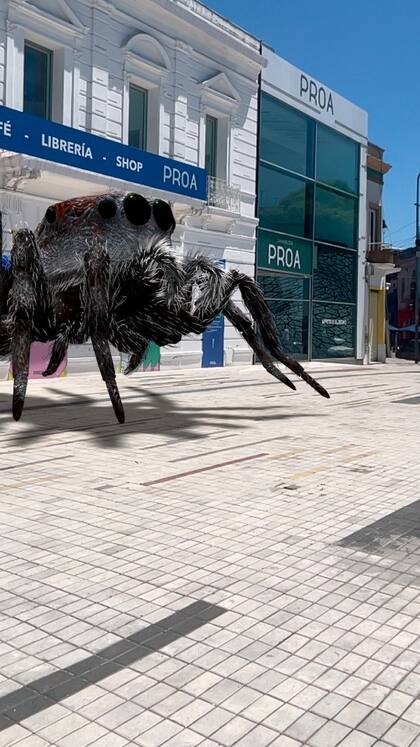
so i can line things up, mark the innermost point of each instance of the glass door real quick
(287, 296)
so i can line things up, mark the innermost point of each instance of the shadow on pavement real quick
(146, 412)
(47, 691)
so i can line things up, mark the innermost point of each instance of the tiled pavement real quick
(237, 565)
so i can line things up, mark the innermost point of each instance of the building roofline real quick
(244, 36)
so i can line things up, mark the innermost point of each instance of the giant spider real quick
(102, 267)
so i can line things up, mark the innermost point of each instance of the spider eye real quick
(163, 216)
(137, 209)
(107, 208)
(50, 214)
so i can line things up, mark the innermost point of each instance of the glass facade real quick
(37, 80)
(308, 208)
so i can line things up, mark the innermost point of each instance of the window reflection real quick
(286, 137)
(335, 218)
(335, 274)
(275, 286)
(337, 160)
(291, 319)
(285, 203)
(37, 81)
(333, 330)
(137, 118)
(210, 163)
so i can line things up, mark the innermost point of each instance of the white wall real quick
(192, 61)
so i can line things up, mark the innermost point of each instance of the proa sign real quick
(284, 254)
(316, 95)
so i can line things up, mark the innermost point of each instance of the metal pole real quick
(416, 299)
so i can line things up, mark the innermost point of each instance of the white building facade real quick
(167, 77)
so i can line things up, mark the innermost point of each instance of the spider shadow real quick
(148, 412)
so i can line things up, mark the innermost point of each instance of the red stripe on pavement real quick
(204, 469)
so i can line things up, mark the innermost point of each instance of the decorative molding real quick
(104, 6)
(143, 49)
(181, 46)
(68, 25)
(11, 27)
(219, 90)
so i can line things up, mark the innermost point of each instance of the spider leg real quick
(136, 359)
(58, 354)
(97, 319)
(257, 307)
(60, 347)
(22, 306)
(245, 327)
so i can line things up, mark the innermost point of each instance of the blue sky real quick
(369, 52)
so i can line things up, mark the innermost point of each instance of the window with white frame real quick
(146, 68)
(37, 80)
(138, 107)
(219, 104)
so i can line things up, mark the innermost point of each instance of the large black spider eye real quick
(107, 208)
(50, 214)
(137, 209)
(163, 215)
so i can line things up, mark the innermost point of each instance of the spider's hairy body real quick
(102, 268)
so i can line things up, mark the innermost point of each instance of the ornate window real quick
(146, 67)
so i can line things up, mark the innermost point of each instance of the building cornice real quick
(23, 10)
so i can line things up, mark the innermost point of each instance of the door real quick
(213, 340)
(213, 343)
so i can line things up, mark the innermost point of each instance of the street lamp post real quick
(416, 299)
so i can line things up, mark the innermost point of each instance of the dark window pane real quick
(137, 118)
(335, 218)
(291, 318)
(337, 160)
(276, 286)
(335, 274)
(211, 146)
(286, 137)
(333, 330)
(285, 203)
(37, 81)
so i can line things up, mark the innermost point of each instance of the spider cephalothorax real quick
(102, 268)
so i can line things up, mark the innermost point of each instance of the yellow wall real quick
(381, 316)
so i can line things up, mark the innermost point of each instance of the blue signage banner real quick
(33, 136)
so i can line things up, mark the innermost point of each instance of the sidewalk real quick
(239, 564)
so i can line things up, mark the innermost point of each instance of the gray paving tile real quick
(233, 731)
(305, 726)
(329, 735)
(401, 734)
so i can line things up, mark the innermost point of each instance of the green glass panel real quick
(336, 218)
(337, 160)
(285, 203)
(210, 163)
(291, 319)
(137, 118)
(335, 273)
(280, 286)
(37, 81)
(286, 137)
(333, 330)
(283, 253)
(151, 358)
